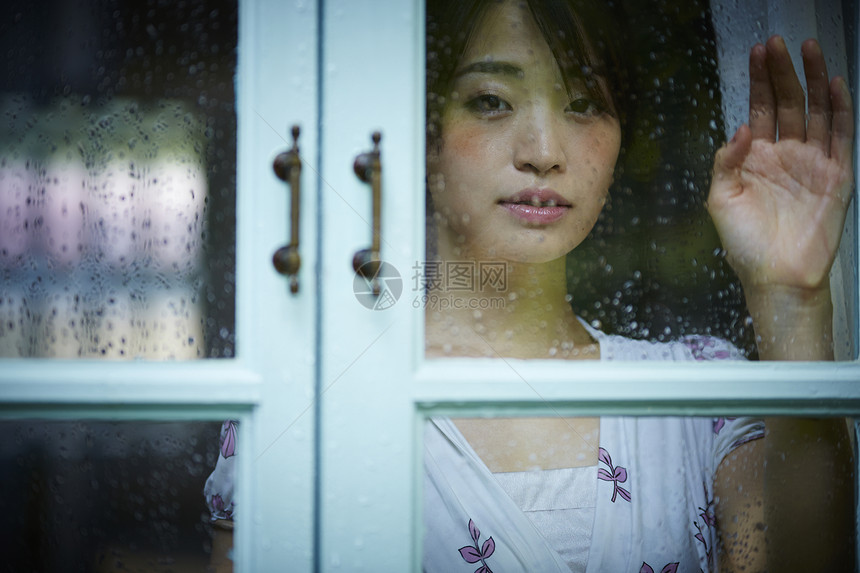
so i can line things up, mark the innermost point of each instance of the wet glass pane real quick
(570, 154)
(106, 496)
(117, 179)
(670, 494)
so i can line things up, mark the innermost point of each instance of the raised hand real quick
(779, 197)
(782, 185)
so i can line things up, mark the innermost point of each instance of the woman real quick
(527, 113)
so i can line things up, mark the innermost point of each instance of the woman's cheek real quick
(611, 145)
(600, 153)
(466, 142)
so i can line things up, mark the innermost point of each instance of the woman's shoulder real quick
(694, 347)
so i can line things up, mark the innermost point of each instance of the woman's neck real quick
(514, 310)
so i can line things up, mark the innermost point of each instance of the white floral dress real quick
(651, 495)
(651, 506)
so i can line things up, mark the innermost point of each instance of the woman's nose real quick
(539, 147)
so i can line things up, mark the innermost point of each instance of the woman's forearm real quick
(809, 506)
(792, 324)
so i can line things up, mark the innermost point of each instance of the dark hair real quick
(586, 37)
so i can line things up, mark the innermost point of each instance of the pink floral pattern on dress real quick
(708, 521)
(221, 510)
(472, 554)
(615, 474)
(669, 568)
(705, 348)
(720, 423)
(228, 438)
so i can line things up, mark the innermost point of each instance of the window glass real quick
(560, 493)
(117, 179)
(653, 268)
(578, 169)
(569, 162)
(106, 496)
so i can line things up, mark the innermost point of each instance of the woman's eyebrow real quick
(498, 68)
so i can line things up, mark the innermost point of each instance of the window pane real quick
(106, 496)
(562, 493)
(569, 159)
(117, 180)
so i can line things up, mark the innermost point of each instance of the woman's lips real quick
(536, 206)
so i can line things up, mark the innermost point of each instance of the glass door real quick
(139, 214)
(378, 389)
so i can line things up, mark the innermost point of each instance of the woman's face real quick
(525, 162)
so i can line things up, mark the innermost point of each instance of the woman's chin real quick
(534, 250)
(516, 254)
(515, 246)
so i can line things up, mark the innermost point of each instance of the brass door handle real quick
(288, 168)
(368, 168)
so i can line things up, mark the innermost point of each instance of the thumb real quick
(727, 161)
(731, 156)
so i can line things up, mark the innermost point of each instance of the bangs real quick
(586, 54)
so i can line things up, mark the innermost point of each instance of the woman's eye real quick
(489, 105)
(583, 106)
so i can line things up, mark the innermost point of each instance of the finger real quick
(762, 102)
(818, 88)
(727, 161)
(790, 101)
(842, 136)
